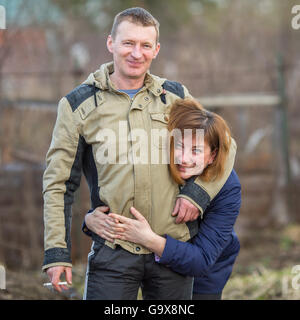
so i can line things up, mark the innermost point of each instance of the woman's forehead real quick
(191, 139)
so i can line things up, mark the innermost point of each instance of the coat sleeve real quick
(196, 258)
(200, 192)
(60, 181)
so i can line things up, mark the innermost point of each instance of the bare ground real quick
(263, 270)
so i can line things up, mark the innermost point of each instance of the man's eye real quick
(147, 46)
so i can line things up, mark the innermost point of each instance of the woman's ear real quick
(213, 156)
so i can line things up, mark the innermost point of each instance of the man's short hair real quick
(138, 16)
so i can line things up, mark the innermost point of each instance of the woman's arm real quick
(194, 259)
(215, 233)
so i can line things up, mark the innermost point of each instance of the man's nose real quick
(136, 52)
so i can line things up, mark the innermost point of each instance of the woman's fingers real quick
(125, 220)
(118, 230)
(111, 228)
(122, 219)
(112, 225)
(136, 213)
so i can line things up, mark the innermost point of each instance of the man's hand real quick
(185, 211)
(54, 274)
(100, 223)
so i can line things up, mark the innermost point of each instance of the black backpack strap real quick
(77, 96)
(174, 87)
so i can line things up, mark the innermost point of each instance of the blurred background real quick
(240, 58)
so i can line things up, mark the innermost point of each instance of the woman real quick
(210, 255)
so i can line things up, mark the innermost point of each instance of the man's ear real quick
(109, 44)
(156, 50)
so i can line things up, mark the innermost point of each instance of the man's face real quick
(133, 49)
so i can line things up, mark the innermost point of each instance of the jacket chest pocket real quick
(159, 120)
(159, 130)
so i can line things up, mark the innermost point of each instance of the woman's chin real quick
(184, 176)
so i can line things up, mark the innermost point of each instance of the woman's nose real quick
(187, 157)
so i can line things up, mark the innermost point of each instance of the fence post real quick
(280, 209)
(282, 120)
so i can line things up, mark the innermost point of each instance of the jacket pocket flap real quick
(162, 117)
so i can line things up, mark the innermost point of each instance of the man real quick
(121, 97)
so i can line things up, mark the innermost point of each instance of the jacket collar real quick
(102, 80)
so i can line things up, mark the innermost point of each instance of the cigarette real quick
(49, 284)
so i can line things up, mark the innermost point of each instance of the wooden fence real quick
(21, 205)
(21, 218)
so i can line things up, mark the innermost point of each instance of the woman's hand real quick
(137, 231)
(113, 226)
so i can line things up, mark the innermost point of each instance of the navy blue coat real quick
(210, 256)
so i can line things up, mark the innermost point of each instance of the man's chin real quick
(135, 75)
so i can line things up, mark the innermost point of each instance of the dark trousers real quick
(116, 274)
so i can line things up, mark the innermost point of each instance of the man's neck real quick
(126, 84)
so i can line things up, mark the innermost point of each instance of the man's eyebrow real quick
(143, 41)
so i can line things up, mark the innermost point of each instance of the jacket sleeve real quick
(84, 227)
(60, 181)
(199, 192)
(196, 258)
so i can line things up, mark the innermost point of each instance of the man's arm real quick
(60, 181)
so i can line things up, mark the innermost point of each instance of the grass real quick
(264, 270)
(257, 282)
(262, 284)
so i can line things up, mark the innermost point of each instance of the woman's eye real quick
(197, 151)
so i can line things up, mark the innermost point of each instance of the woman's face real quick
(192, 156)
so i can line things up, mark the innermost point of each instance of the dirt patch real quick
(274, 248)
(29, 286)
(266, 257)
